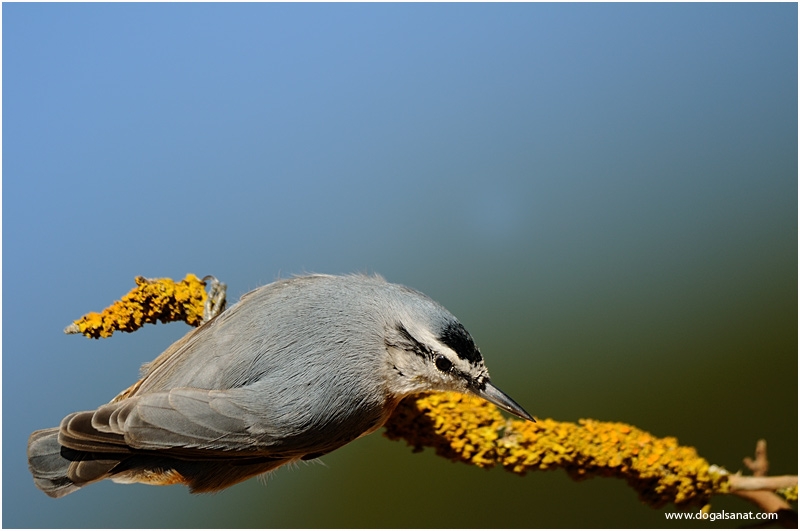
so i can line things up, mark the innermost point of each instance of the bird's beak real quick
(502, 400)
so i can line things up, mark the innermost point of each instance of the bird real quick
(296, 369)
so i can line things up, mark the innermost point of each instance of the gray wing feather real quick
(180, 418)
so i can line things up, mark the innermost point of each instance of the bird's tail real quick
(49, 468)
(59, 470)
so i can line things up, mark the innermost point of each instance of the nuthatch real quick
(293, 371)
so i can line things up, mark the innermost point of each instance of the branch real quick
(152, 300)
(758, 488)
(470, 430)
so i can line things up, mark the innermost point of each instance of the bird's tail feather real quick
(58, 470)
(49, 468)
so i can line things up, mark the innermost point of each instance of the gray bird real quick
(293, 371)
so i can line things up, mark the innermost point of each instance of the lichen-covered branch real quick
(470, 430)
(152, 300)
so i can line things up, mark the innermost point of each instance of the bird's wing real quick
(188, 421)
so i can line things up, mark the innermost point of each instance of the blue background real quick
(606, 196)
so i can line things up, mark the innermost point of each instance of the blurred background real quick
(605, 195)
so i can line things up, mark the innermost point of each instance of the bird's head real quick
(429, 350)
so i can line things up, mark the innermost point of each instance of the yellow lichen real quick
(150, 301)
(789, 493)
(470, 430)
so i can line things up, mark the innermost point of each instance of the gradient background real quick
(606, 196)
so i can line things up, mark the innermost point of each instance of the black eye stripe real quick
(441, 361)
(413, 345)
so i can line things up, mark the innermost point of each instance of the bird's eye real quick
(442, 363)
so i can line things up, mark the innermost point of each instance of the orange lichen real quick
(470, 430)
(150, 301)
